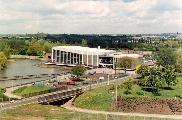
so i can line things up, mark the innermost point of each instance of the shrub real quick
(139, 93)
(179, 96)
(127, 92)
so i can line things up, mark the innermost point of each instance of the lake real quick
(23, 67)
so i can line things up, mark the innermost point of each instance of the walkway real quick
(9, 91)
(72, 108)
(69, 106)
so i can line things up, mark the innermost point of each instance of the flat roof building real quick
(89, 57)
(77, 55)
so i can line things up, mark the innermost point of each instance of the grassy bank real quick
(31, 89)
(101, 98)
(48, 112)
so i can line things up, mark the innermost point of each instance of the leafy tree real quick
(143, 71)
(7, 52)
(169, 75)
(127, 63)
(172, 44)
(3, 61)
(47, 47)
(84, 43)
(78, 70)
(34, 49)
(179, 62)
(129, 84)
(165, 56)
(153, 80)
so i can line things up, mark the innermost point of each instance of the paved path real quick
(69, 106)
(175, 117)
(9, 93)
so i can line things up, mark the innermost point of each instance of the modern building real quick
(89, 57)
(77, 55)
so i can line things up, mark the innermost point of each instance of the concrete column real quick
(76, 58)
(82, 57)
(56, 56)
(59, 56)
(87, 58)
(97, 60)
(66, 57)
(92, 59)
(52, 56)
(70, 58)
(63, 58)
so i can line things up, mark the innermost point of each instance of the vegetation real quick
(3, 61)
(153, 80)
(179, 63)
(165, 56)
(49, 112)
(128, 86)
(78, 70)
(2, 96)
(156, 77)
(101, 98)
(31, 90)
(169, 75)
(127, 63)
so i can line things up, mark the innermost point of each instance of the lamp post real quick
(116, 96)
(107, 79)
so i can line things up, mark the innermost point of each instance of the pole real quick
(108, 79)
(116, 96)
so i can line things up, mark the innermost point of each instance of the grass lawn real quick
(101, 98)
(48, 112)
(31, 89)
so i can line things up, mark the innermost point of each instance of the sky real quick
(90, 16)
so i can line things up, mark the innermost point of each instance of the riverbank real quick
(26, 57)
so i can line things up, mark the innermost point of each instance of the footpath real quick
(69, 106)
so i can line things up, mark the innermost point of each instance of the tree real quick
(34, 48)
(172, 44)
(143, 71)
(153, 80)
(165, 56)
(47, 47)
(84, 43)
(3, 61)
(179, 62)
(7, 51)
(127, 63)
(169, 75)
(78, 70)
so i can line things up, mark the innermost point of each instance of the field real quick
(48, 112)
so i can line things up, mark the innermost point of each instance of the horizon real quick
(90, 16)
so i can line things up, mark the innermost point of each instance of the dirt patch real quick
(148, 105)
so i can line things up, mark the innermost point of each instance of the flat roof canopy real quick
(82, 50)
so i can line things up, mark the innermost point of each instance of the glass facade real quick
(63, 57)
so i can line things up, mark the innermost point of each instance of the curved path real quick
(69, 106)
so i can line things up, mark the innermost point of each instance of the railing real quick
(58, 95)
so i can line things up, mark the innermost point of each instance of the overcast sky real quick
(90, 16)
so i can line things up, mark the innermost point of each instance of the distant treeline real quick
(105, 41)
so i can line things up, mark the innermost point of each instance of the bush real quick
(179, 96)
(139, 93)
(127, 92)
